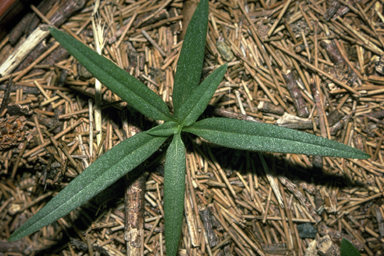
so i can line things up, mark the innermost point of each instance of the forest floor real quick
(314, 66)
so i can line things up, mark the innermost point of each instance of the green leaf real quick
(265, 137)
(347, 248)
(174, 188)
(166, 129)
(116, 79)
(190, 63)
(198, 101)
(107, 169)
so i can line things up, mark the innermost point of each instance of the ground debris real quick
(307, 65)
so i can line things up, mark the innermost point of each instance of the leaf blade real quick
(347, 248)
(248, 135)
(122, 158)
(116, 79)
(190, 63)
(198, 101)
(166, 129)
(174, 189)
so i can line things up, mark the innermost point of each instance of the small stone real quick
(307, 230)
(224, 49)
(83, 72)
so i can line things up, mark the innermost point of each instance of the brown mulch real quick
(313, 66)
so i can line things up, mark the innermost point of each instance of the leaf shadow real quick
(232, 160)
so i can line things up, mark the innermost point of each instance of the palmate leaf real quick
(116, 162)
(116, 79)
(190, 63)
(198, 101)
(248, 135)
(174, 188)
